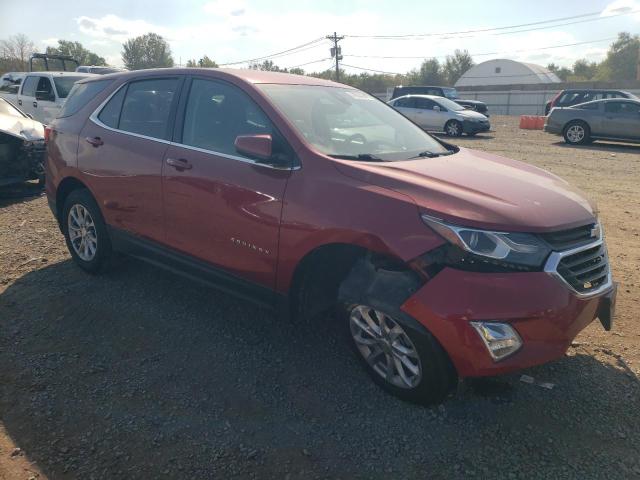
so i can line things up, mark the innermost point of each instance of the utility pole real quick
(336, 52)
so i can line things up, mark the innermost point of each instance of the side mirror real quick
(255, 146)
(45, 96)
(436, 108)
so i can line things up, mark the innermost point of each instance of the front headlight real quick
(507, 248)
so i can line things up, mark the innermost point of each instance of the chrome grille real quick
(585, 269)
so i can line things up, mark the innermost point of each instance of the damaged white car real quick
(22, 146)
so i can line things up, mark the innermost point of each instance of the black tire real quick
(453, 128)
(100, 260)
(577, 132)
(438, 377)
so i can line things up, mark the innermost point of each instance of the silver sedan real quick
(614, 119)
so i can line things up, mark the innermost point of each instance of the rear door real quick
(27, 94)
(121, 150)
(622, 119)
(221, 206)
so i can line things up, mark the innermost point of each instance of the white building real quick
(506, 72)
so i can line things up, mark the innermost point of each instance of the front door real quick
(121, 150)
(221, 206)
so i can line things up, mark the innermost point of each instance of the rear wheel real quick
(577, 132)
(85, 232)
(400, 354)
(453, 128)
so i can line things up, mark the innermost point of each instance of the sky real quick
(234, 30)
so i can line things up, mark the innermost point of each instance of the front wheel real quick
(400, 355)
(577, 133)
(85, 232)
(453, 128)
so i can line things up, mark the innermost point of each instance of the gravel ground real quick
(143, 374)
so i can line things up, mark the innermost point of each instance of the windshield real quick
(7, 109)
(348, 122)
(64, 85)
(449, 104)
(450, 93)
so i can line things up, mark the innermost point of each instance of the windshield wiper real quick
(428, 154)
(361, 156)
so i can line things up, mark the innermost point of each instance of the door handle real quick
(35, 104)
(95, 141)
(19, 102)
(179, 164)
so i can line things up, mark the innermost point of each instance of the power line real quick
(292, 50)
(497, 29)
(489, 53)
(372, 70)
(309, 63)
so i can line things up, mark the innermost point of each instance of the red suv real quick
(314, 197)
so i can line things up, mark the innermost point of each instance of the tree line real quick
(153, 51)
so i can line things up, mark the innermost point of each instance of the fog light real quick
(500, 338)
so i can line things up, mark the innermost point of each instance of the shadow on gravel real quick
(144, 374)
(21, 192)
(603, 146)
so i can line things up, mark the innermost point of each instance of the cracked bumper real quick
(546, 315)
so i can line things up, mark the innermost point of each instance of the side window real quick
(29, 87)
(110, 114)
(44, 86)
(216, 113)
(147, 105)
(424, 103)
(625, 108)
(408, 102)
(80, 95)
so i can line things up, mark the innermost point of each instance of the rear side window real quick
(110, 114)
(147, 106)
(29, 87)
(80, 95)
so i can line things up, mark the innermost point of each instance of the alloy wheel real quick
(575, 133)
(385, 346)
(82, 232)
(453, 129)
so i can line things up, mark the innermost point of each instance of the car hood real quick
(21, 127)
(483, 190)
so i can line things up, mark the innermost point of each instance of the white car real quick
(42, 94)
(439, 114)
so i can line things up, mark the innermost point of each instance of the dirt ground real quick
(143, 374)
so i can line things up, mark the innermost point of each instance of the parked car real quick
(99, 70)
(447, 92)
(617, 120)
(11, 78)
(42, 94)
(568, 98)
(439, 114)
(22, 149)
(313, 197)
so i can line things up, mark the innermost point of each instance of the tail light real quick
(47, 134)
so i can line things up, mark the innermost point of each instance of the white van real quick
(42, 94)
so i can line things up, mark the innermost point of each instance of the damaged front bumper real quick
(545, 314)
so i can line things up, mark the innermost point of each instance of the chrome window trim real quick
(551, 268)
(94, 118)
